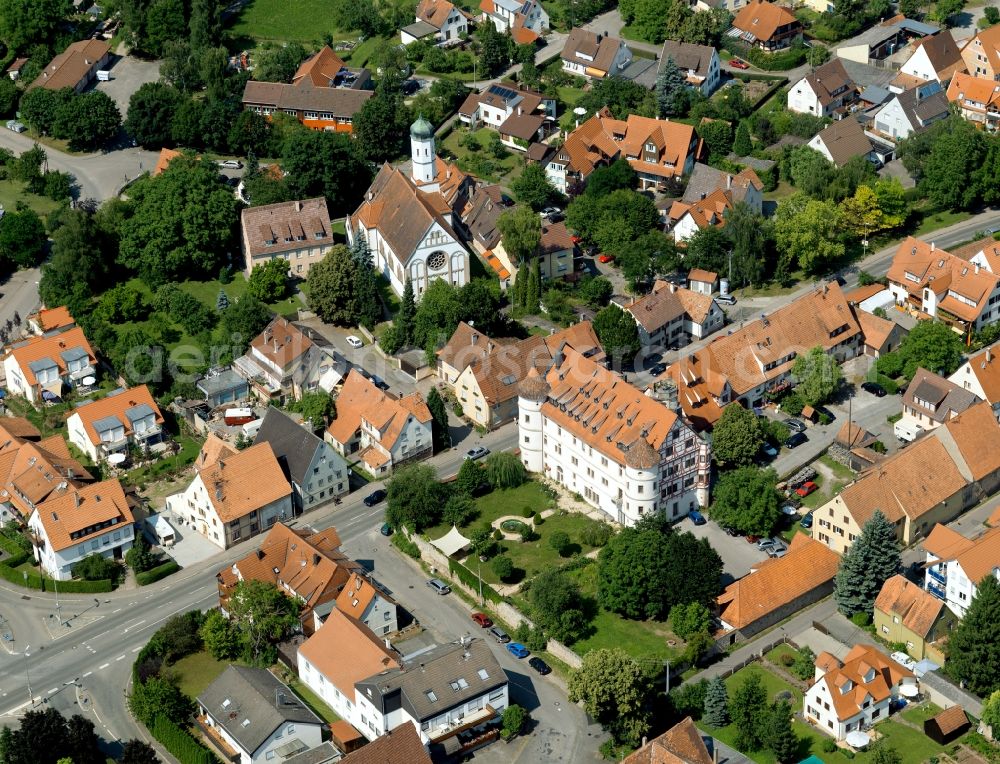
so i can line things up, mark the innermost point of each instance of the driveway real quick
(738, 555)
(128, 74)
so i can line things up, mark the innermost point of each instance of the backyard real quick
(479, 158)
(285, 20)
(903, 732)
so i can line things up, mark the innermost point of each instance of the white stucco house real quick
(912, 111)
(409, 221)
(824, 91)
(40, 368)
(526, 20)
(125, 419)
(80, 521)
(255, 716)
(853, 694)
(956, 565)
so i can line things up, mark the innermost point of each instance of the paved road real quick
(100, 176)
(94, 653)
(19, 294)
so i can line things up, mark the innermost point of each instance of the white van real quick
(103, 75)
(907, 431)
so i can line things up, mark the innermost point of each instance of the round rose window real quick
(436, 261)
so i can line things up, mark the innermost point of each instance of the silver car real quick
(439, 586)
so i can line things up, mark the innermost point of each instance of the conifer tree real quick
(872, 559)
(778, 736)
(974, 645)
(670, 89)
(742, 145)
(405, 318)
(531, 300)
(716, 703)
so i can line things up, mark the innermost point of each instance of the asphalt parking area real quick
(738, 555)
(128, 74)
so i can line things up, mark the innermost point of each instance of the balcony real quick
(445, 731)
(149, 433)
(938, 576)
(937, 591)
(216, 742)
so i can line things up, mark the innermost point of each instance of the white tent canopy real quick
(858, 739)
(451, 542)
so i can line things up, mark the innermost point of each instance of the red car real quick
(606, 258)
(576, 239)
(751, 539)
(482, 620)
(738, 64)
(806, 488)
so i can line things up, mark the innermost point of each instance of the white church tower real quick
(424, 158)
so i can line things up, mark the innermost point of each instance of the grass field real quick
(286, 20)
(12, 192)
(481, 162)
(197, 671)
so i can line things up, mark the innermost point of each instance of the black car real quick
(657, 369)
(874, 388)
(824, 411)
(794, 425)
(409, 87)
(375, 497)
(730, 531)
(539, 665)
(795, 439)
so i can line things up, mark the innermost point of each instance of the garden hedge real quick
(471, 579)
(155, 574)
(180, 743)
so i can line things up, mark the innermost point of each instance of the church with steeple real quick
(410, 217)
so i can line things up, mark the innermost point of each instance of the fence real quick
(730, 670)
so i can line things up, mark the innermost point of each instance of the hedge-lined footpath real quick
(155, 574)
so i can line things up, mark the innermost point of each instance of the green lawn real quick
(169, 464)
(12, 192)
(842, 472)
(921, 713)
(640, 639)
(286, 20)
(569, 96)
(535, 556)
(362, 52)
(197, 671)
(775, 655)
(482, 163)
(934, 219)
(311, 699)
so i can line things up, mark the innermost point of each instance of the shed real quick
(947, 725)
(345, 736)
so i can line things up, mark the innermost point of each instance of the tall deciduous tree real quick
(745, 499)
(415, 498)
(521, 229)
(557, 605)
(268, 282)
(264, 616)
(808, 235)
(616, 330)
(22, 239)
(869, 562)
(817, 376)
(505, 470)
(737, 436)
(470, 477)
(532, 187)
(952, 167)
(746, 231)
(327, 164)
(614, 691)
(382, 126)
(931, 345)
(151, 112)
(23, 22)
(137, 752)
(974, 646)
(331, 287)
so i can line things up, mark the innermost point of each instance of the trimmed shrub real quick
(406, 546)
(155, 574)
(180, 743)
(472, 580)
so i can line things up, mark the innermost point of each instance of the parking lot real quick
(738, 555)
(128, 74)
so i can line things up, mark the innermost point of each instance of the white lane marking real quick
(54, 689)
(116, 611)
(103, 666)
(136, 649)
(120, 657)
(88, 674)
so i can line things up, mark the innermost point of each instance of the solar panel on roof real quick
(505, 93)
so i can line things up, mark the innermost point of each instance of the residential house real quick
(250, 716)
(981, 376)
(300, 232)
(856, 693)
(306, 565)
(981, 53)
(436, 21)
(77, 522)
(912, 111)
(823, 92)
(484, 374)
(368, 604)
(931, 481)
(504, 105)
(526, 20)
(317, 473)
(33, 470)
(745, 186)
(843, 140)
(703, 282)
(479, 220)
(685, 220)
(163, 160)
(776, 588)
(75, 67)
(378, 429)
(399, 746)
(928, 280)
(880, 335)
(594, 56)
(409, 221)
(282, 363)
(978, 99)
(324, 93)
(699, 64)
(881, 41)
(41, 367)
(931, 400)
(624, 452)
(936, 58)
(49, 321)
(681, 744)
(956, 565)
(745, 365)
(125, 419)
(905, 612)
(235, 497)
(671, 316)
(765, 25)
(14, 70)
(222, 386)
(983, 252)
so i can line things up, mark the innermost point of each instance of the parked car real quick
(482, 619)
(824, 411)
(355, 342)
(737, 63)
(751, 539)
(904, 660)
(606, 259)
(806, 488)
(789, 509)
(768, 450)
(17, 127)
(549, 212)
(765, 544)
(439, 586)
(657, 369)
(476, 453)
(697, 517)
(498, 634)
(730, 531)
(874, 388)
(410, 87)
(807, 521)
(794, 425)
(375, 497)
(796, 439)
(231, 164)
(776, 551)
(726, 299)
(539, 665)
(386, 529)
(518, 650)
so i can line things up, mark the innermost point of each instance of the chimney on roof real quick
(298, 206)
(76, 500)
(729, 182)
(932, 246)
(989, 355)
(673, 287)
(260, 554)
(316, 559)
(977, 268)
